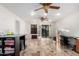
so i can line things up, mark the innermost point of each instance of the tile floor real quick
(44, 47)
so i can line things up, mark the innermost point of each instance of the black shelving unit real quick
(11, 45)
(7, 46)
(1, 47)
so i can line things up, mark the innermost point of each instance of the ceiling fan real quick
(47, 6)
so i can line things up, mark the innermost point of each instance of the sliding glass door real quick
(45, 31)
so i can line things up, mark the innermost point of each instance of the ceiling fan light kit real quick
(44, 18)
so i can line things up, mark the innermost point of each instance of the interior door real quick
(45, 31)
(33, 31)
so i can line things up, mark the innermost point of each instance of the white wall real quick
(8, 21)
(70, 22)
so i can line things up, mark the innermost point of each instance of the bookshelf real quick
(11, 45)
(7, 46)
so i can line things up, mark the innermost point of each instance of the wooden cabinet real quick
(77, 45)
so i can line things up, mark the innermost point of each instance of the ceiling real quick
(23, 10)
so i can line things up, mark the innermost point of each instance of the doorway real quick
(17, 27)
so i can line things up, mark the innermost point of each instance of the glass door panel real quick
(45, 31)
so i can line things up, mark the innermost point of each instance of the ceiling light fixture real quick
(58, 14)
(33, 13)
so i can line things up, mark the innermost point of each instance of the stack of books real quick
(9, 42)
(0, 50)
(0, 42)
(8, 50)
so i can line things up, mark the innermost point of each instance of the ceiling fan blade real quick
(54, 7)
(44, 4)
(38, 9)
